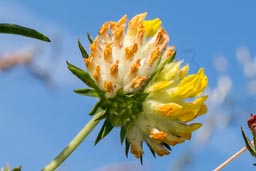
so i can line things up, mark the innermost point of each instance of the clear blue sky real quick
(37, 122)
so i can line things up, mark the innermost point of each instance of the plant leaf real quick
(82, 49)
(89, 38)
(23, 31)
(105, 129)
(167, 146)
(83, 76)
(127, 147)
(87, 92)
(122, 134)
(152, 151)
(248, 143)
(254, 139)
(17, 168)
(141, 160)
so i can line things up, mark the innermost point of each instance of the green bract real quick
(23, 31)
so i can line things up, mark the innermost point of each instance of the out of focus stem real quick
(229, 160)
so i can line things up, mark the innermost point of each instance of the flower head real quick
(140, 87)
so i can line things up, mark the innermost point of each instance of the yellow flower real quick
(166, 111)
(140, 87)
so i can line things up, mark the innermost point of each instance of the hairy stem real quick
(77, 140)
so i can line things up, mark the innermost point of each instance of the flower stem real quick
(229, 160)
(77, 140)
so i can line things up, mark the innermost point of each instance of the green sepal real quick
(17, 169)
(141, 159)
(254, 138)
(123, 109)
(96, 107)
(83, 76)
(152, 151)
(127, 147)
(22, 31)
(82, 50)
(90, 38)
(105, 129)
(122, 135)
(87, 92)
(248, 144)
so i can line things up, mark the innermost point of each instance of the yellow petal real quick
(170, 71)
(182, 130)
(193, 85)
(184, 71)
(170, 109)
(202, 110)
(159, 85)
(192, 110)
(173, 140)
(151, 26)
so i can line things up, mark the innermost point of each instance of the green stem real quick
(74, 143)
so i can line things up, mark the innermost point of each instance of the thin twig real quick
(230, 159)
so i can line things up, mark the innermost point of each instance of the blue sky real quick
(37, 121)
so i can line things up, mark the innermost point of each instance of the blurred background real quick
(40, 114)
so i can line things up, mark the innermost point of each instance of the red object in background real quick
(252, 122)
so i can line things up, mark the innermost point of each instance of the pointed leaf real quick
(122, 134)
(167, 146)
(254, 139)
(141, 160)
(142, 96)
(105, 130)
(87, 92)
(82, 75)
(82, 49)
(127, 147)
(90, 38)
(17, 169)
(152, 151)
(248, 143)
(23, 31)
